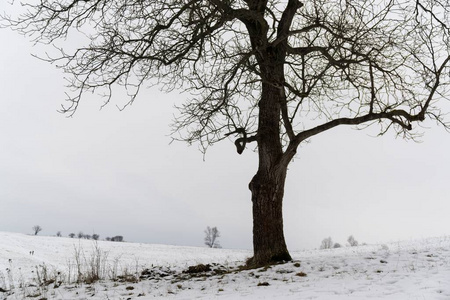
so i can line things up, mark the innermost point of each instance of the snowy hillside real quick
(63, 268)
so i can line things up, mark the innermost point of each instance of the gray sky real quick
(114, 173)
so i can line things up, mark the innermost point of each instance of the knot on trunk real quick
(254, 184)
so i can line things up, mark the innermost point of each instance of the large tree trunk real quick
(269, 245)
(267, 186)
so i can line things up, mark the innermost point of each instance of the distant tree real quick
(326, 243)
(108, 238)
(117, 238)
(80, 235)
(87, 236)
(36, 229)
(351, 240)
(58, 234)
(95, 236)
(211, 236)
(337, 245)
(269, 72)
(72, 235)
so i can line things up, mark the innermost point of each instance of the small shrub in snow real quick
(3, 283)
(337, 245)
(90, 267)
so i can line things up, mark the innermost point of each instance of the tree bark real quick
(267, 186)
(269, 245)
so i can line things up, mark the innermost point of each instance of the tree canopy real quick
(345, 62)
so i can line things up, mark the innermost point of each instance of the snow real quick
(417, 269)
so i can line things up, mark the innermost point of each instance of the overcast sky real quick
(114, 173)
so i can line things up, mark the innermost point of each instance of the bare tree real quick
(117, 238)
(211, 236)
(95, 236)
(352, 242)
(274, 73)
(327, 243)
(80, 235)
(36, 229)
(58, 234)
(72, 235)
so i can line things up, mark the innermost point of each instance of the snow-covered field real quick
(404, 270)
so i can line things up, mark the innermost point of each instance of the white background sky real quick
(114, 173)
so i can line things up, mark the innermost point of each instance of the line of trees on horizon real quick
(80, 235)
(328, 243)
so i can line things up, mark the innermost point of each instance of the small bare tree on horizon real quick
(37, 229)
(327, 243)
(352, 242)
(211, 236)
(117, 238)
